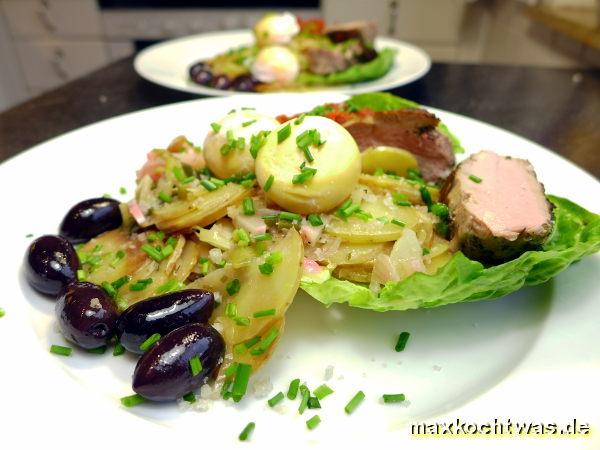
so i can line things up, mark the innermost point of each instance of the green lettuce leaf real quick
(357, 73)
(382, 101)
(576, 234)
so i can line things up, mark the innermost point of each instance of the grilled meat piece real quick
(362, 30)
(323, 61)
(497, 206)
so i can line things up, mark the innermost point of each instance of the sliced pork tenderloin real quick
(498, 207)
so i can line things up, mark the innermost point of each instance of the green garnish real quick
(218, 183)
(98, 350)
(299, 119)
(109, 289)
(153, 253)
(269, 183)
(393, 398)
(306, 174)
(398, 222)
(2, 312)
(284, 133)
(132, 400)
(426, 251)
(475, 179)
(293, 389)
(304, 401)
(164, 197)
(313, 422)
(167, 250)
(247, 124)
(248, 206)
(231, 310)
(440, 210)
(290, 217)
(313, 403)
(275, 399)
(314, 220)
(240, 383)
(322, 391)
(81, 275)
(400, 199)
(119, 283)
(216, 127)
(426, 196)
(308, 155)
(354, 402)
(140, 285)
(195, 365)
(156, 236)
(117, 259)
(61, 350)
(402, 339)
(247, 431)
(119, 349)
(179, 173)
(241, 321)
(257, 141)
(208, 185)
(266, 342)
(263, 237)
(233, 287)
(190, 397)
(122, 190)
(264, 313)
(241, 237)
(266, 268)
(149, 343)
(29, 235)
(274, 258)
(169, 286)
(379, 172)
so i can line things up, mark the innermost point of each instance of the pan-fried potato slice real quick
(202, 211)
(384, 184)
(258, 292)
(392, 159)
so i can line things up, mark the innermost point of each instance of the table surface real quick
(557, 108)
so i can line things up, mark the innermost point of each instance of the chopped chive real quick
(414, 174)
(156, 236)
(313, 403)
(393, 398)
(252, 341)
(275, 258)
(109, 289)
(426, 251)
(363, 215)
(402, 339)
(140, 285)
(247, 183)
(122, 190)
(132, 400)
(167, 250)
(216, 127)
(118, 257)
(475, 179)
(169, 286)
(81, 275)
(231, 310)
(400, 199)
(195, 365)
(30, 235)
(152, 252)
(98, 350)
(190, 397)
(308, 155)
(208, 185)
(275, 399)
(248, 206)
(164, 197)
(61, 350)
(313, 422)
(299, 119)
(306, 174)
(247, 124)
(315, 220)
(378, 172)
(440, 210)
(264, 313)
(119, 349)
(2, 312)
(263, 237)
(354, 402)
(269, 183)
(347, 212)
(247, 431)
(218, 183)
(322, 391)
(241, 321)
(230, 370)
(266, 342)
(398, 222)
(119, 283)
(293, 389)
(305, 393)
(290, 217)
(426, 196)
(266, 268)
(284, 133)
(240, 383)
(172, 241)
(233, 287)
(179, 173)
(149, 343)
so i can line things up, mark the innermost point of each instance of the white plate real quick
(530, 356)
(167, 63)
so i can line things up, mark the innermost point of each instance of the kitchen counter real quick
(557, 108)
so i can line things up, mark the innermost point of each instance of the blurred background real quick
(46, 43)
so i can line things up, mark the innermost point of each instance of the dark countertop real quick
(557, 108)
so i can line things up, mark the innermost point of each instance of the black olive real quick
(163, 314)
(203, 77)
(196, 68)
(221, 82)
(50, 264)
(244, 83)
(86, 316)
(164, 372)
(89, 218)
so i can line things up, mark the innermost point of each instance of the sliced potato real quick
(355, 254)
(219, 235)
(359, 274)
(204, 210)
(394, 159)
(384, 184)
